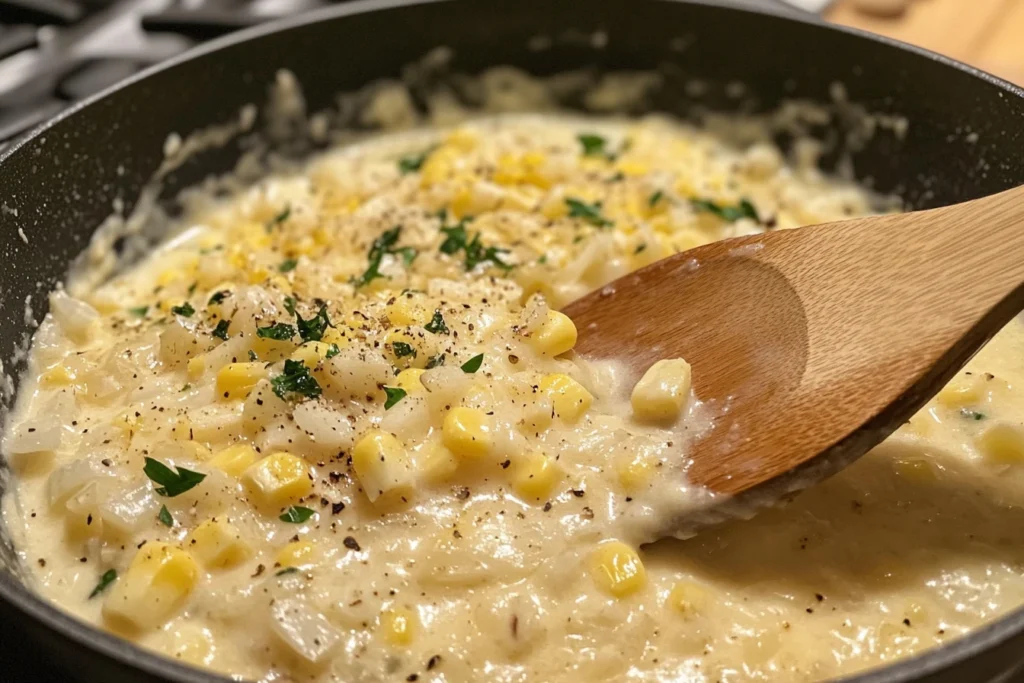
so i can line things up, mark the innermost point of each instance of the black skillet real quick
(964, 141)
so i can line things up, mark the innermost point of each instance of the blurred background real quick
(54, 52)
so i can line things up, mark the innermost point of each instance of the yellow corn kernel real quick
(279, 479)
(631, 167)
(217, 544)
(280, 283)
(298, 554)
(234, 460)
(382, 465)
(569, 399)
(466, 433)
(1002, 444)
(438, 464)
(156, 584)
(258, 274)
(684, 240)
(687, 598)
(963, 390)
(556, 336)
(409, 380)
(520, 199)
(196, 367)
(168, 277)
(634, 471)
(311, 353)
(617, 570)
(401, 336)
(438, 166)
(463, 139)
(57, 376)
(399, 625)
(405, 310)
(554, 207)
(662, 392)
(535, 476)
(236, 380)
(340, 338)
(533, 164)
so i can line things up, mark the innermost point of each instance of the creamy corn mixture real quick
(334, 430)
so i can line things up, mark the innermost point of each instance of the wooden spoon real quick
(816, 343)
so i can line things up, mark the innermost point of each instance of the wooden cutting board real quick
(986, 33)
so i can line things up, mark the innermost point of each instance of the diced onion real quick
(74, 316)
(68, 479)
(305, 631)
(324, 427)
(129, 512)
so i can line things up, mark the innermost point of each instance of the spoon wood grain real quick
(816, 343)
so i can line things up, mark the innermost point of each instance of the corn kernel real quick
(569, 398)
(662, 392)
(298, 554)
(332, 335)
(382, 465)
(463, 139)
(399, 626)
(409, 380)
(406, 311)
(311, 353)
(234, 460)
(401, 336)
(438, 464)
(535, 476)
(617, 570)
(218, 544)
(687, 598)
(279, 479)
(508, 170)
(556, 336)
(196, 367)
(963, 390)
(1002, 444)
(157, 583)
(236, 380)
(57, 376)
(631, 167)
(634, 472)
(466, 433)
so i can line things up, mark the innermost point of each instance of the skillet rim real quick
(30, 604)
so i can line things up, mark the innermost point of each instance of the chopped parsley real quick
(165, 517)
(288, 265)
(727, 213)
(640, 247)
(278, 331)
(591, 213)
(436, 324)
(289, 304)
(171, 483)
(314, 328)
(186, 386)
(435, 361)
(295, 380)
(413, 162)
(140, 311)
(108, 578)
(252, 356)
(656, 197)
(296, 514)
(192, 288)
(457, 238)
(279, 218)
(972, 414)
(394, 395)
(332, 351)
(385, 244)
(473, 364)
(287, 570)
(218, 297)
(185, 310)
(221, 331)
(402, 350)
(594, 145)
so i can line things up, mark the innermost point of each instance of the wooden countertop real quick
(988, 34)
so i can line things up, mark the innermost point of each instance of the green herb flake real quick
(437, 324)
(730, 214)
(186, 386)
(278, 331)
(279, 218)
(457, 238)
(314, 328)
(252, 356)
(640, 247)
(296, 514)
(402, 350)
(435, 361)
(332, 351)
(413, 162)
(972, 414)
(383, 245)
(289, 305)
(185, 310)
(172, 483)
(288, 265)
(295, 380)
(218, 297)
(139, 311)
(165, 517)
(108, 578)
(543, 259)
(473, 364)
(221, 331)
(593, 145)
(394, 395)
(656, 197)
(287, 570)
(591, 213)
(192, 288)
